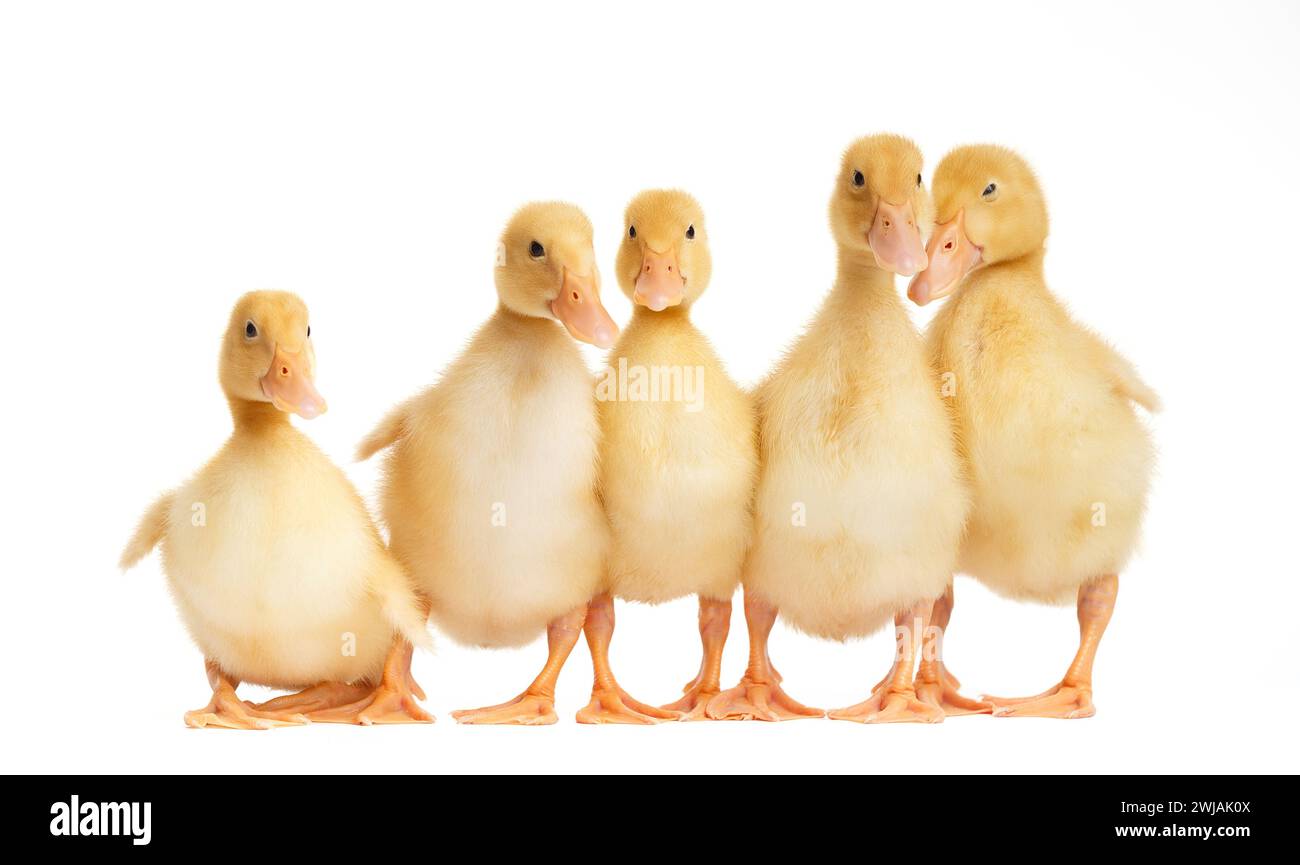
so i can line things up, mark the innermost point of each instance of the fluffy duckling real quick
(275, 564)
(1058, 459)
(677, 445)
(859, 507)
(489, 487)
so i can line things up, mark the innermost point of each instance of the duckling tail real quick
(390, 429)
(153, 525)
(402, 607)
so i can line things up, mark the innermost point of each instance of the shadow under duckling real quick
(489, 488)
(1058, 460)
(274, 562)
(860, 504)
(678, 456)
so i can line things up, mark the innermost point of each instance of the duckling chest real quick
(257, 538)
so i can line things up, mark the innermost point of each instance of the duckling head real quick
(267, 356)
(990, 209)
(664, 258)
(879, 203)
(546, 268)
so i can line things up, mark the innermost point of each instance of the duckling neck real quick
(254, 418)
(1023, 273)
(645, 316)
(858, 279)
(522, 328)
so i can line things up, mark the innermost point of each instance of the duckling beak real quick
(578, 308)
(659, 285)
(288, 384)
(952, 256)
(895, 240)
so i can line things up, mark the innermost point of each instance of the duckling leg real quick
(536, 705)
(715, 622)
(895, 699)
(225, 709)
(759, 695)
(610, 704)
(1072, 698)
(392, 701)
(935, 685)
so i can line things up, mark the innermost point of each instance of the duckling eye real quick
(858, 179)
(918, 180)
(631, 231)
(250, 330)
(536, 250)
(309, 331)
(989, 190)
(690, 232)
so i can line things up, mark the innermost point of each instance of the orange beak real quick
(288, 384)
(952, 256)
(578, 309)
(659, 285)
(895, 240)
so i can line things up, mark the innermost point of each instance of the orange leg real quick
(392, 701)
(610, 704)
(935, 685)
(715, 622)
(225, 709)
(536, 705)
(759, 695)
(895, 700)
(1072, 698)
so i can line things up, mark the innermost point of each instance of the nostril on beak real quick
(576, 297)
(947, 247)
(284, 371)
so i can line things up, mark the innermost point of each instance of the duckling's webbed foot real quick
(895, 700)
(935, 686)
(536, 705)
(326, 695)
(610, 704)
(715, 622)
(1072, 698)
(759, 696)
(392, 701)
(227, 711)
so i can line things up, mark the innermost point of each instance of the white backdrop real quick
(157, 160)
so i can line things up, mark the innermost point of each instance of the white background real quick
(157, 160)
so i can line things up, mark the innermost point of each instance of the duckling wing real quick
(153, 525)
(390, 429)
(1123, 376)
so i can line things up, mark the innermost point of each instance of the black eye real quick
(631, 231)
(536, 250)
(690, 232)
(989, 190)
(309, 331)
(918, 180)
(250, 330)
(858, 179)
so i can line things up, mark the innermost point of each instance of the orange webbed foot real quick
(941, 691)
(614, 706)
(525, 710)
(1063, 701)
(385, 704)
(890, 706)
(227, 711)
(752, 700)
(694, 704)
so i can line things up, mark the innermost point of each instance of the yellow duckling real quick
(276, 566)
(489, 489)
(677, 449)
(860, 506)
(1058, 459)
